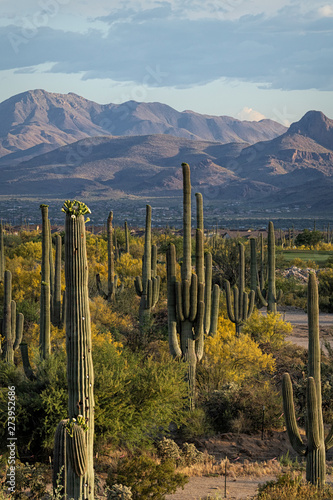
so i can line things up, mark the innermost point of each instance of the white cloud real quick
(250, 115)
(326, 11)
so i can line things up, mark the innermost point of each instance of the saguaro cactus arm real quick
(290, 417)
(174, 346)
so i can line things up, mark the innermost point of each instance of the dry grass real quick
(234, 470)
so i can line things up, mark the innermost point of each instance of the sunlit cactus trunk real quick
(240, 309)
(45, 311)
(7, 318)
(57, 284)
(111, 277)
(2, 254)
(80, 373)
(148, 286)
(271, 297)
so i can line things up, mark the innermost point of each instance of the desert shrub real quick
(240, 408)
(40, 403)
(325, 290)
(30, 250)
(105, 321)
(136, 397)
(146, 478)
(128, 268)
(196, 424)
(267, 328)
(229, 358)
(292, 487)
(294, 292)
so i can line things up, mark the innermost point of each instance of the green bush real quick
(240, 408)
(136, 397)
(40, 403)
(146, 478)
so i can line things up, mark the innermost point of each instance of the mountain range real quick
(65, 146)
(37, 121)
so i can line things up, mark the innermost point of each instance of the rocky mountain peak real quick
(316, 126)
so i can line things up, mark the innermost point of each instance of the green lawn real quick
(319, 257)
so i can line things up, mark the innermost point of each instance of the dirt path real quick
(200, 487)
(298, 318)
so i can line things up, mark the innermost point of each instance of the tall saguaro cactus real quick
(126, 232)
(186, 299)
(112, 279)
(243, 305)
(56, 309)
(2, 254)
(80, 375)
(272, 297)
(45, 311)
(148, 286)
(316, 442)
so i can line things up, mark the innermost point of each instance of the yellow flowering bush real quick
(229, 358)
(267, 328)
(128, 268)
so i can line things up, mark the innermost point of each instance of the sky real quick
(250, 59)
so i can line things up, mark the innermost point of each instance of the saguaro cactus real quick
(2, 254)
(12, 323)
(271, 298)
(80, 376)
(186, 299)
(45, 311)
(56, 310)
(148, 286)
(112, 277)
(126, 237)
(242, 304)
(316, 442)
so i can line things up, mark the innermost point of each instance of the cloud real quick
(250, 114)
(326, 11)
(157, 47)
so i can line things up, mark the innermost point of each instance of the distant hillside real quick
(293, 169)
(37, 121)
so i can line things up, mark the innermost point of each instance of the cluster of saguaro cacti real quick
(187, 314)
(74, 436)
(271, 297)
(12, 323)
(316, 446)
(148, 286)
(112, 277)
(242, 307)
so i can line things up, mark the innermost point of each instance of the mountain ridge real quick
(50, 120)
